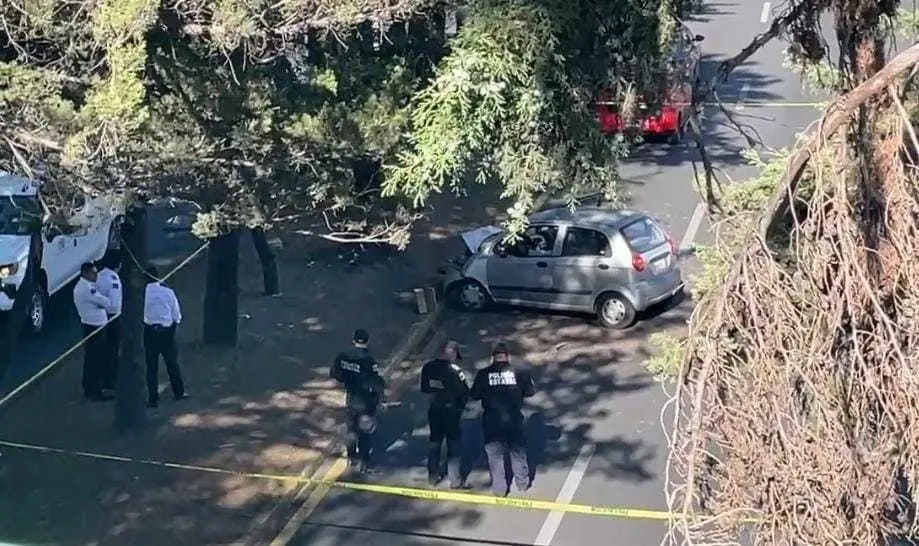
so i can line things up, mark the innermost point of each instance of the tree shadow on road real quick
(585, 375)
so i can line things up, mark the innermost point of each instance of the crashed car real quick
(668, 119)
(611, 263)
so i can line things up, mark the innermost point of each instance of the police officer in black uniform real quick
(357, 371)
(501, 388)
(444, 382)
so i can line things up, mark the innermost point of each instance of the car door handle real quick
(74, 242)
(603, 266)
(542, 264)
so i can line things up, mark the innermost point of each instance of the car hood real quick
(473, 238)
(13, 248)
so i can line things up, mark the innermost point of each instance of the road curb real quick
(393, 369)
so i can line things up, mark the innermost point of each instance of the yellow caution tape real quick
(409, 492)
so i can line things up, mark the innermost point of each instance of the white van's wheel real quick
(615, 311)
(37, 309)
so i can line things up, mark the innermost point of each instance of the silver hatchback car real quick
(613, 263)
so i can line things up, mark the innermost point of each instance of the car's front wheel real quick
(615, 311)
(36, 313)
(468, 295)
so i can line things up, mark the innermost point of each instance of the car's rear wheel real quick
(36, 313)
(468, 295)
(615, 311)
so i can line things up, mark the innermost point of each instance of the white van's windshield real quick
(19, 215)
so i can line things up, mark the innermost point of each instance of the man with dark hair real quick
(91, 306)
(443, 380)
(358, 373)
(501, 388)
(162, 315)
(109, 285)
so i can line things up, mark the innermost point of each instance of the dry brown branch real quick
(703, 92)
(800, 399)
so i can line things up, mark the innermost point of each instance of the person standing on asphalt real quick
(444, 382)
(501, 388)
(162, 315)
(91, 306)
(109, 285)
(358, 373)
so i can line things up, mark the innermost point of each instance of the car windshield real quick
(19, 215)
(643, 235)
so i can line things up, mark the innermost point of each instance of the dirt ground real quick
(266, 405)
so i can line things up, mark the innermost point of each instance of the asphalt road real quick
(169, 241)
(595, 428)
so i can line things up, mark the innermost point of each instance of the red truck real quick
(667, 120)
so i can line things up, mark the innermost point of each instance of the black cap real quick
(500, 348)
(361, 336)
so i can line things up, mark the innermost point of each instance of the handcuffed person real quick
(443, 380)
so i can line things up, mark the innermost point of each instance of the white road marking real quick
(767, 12)
(565, 496)
(694, 222)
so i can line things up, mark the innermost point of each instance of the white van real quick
(91, 231)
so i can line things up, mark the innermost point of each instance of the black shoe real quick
(435, 479)
(182, 396)
(101, 397)
(460, 486)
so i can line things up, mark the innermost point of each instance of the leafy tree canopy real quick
(265, 111)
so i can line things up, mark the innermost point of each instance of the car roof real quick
(603, 219)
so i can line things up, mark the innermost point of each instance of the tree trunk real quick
(222, 293)
(14, 322)
(129, 391)
(269, 264)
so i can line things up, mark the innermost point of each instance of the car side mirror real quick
(698, 38)
(501, 250)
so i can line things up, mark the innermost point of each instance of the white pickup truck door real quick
(57, 255)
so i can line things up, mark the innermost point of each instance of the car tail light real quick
(638, 262)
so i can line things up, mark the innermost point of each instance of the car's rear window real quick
(643, 235)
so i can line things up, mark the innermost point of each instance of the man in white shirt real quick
(91, 306)
(109, 285)
(161, 316)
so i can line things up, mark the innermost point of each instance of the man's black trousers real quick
(360, 438)
(161, 340)
(444, 424)
(95, 357)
